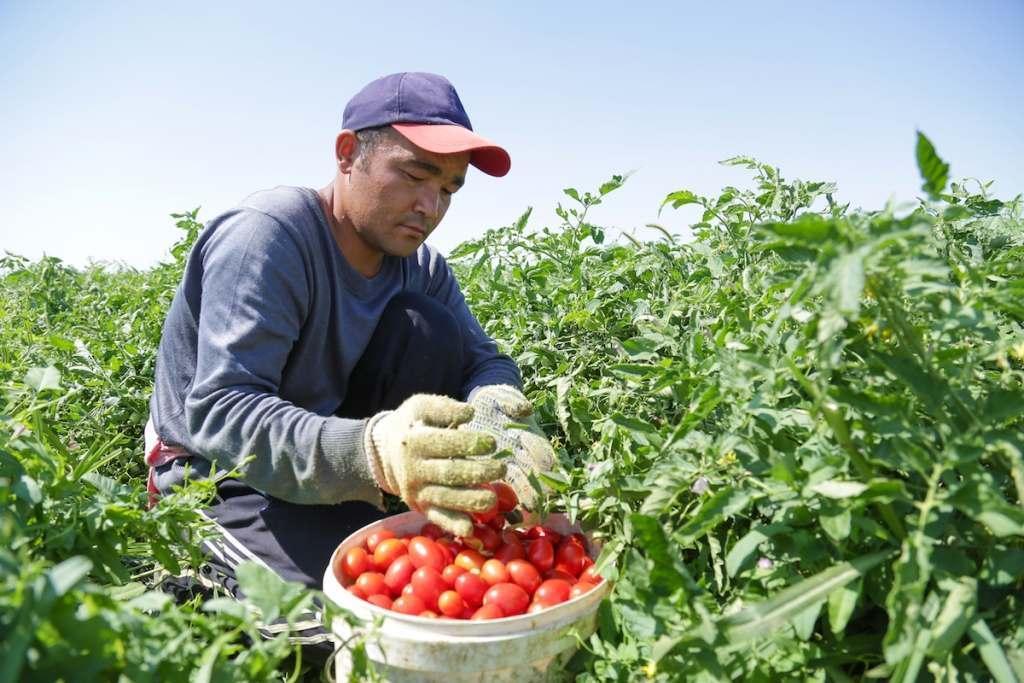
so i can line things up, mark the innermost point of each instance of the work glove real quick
(417, 453)
(496, 406)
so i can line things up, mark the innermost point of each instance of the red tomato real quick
(494, 572)
(386, 552)
(355, 590)
(451, 604)
(524, 574)
(428, 585)
(487, 612)
(488, 537)
(535, 607)
(357, 561)
(540, 554)
(407, 589)
(428, 614)
(399, 573)
(468, 612)
(552, 592)
(571, 555)
(449, 548)
(507, 498)
(590, 575)
(579, 589)
(469, 560)
(498, 523)
(450, 573)
(380, 600)
(510, 551)
(375, 537)
(559, 574)
(539, 531)
(432, 531)
(371, 583)
(408, 604)
(472, 588)
(512, 599)
(426, 553)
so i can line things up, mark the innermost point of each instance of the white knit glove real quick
(417, 453)
(498, 405)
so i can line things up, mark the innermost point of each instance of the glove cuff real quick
(372, 445)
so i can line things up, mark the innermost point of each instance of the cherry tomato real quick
(559, 574)
(487, 612)
(451, 604)
(535, 607)
(539, 531)
(371, 583)
(432, 531)
(488, 537)
(498, 523)
(468, 612)
(540, 554)
(356, 591)
(449, 549)
(510, 551)
(427, 583)
(408, 604)
(571, 555)
(512, 599)
(494, 572)
(386, 552)
(507, 498)
(450, 573)
(579, 589)
(375, 537)
(380, 600)
(407, 589)
(472, 588)
(524, 574)
(426, 553)
(399, 573)
(590, 575)
(552, 592)
(469, 560)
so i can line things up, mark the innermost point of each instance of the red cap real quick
(442, 138)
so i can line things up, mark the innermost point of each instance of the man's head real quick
(403, 153)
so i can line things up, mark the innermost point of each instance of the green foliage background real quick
(799, 436)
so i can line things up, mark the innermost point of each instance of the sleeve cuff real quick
(344, 448)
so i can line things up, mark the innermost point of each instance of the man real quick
(316, 332)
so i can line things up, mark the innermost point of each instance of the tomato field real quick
(799, 437)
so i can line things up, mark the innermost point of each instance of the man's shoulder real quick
(286, 204)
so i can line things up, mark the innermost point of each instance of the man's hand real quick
(496, 406)
(417, 453)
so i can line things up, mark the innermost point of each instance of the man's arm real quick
(255, 295)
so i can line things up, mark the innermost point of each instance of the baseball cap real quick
(424, 108)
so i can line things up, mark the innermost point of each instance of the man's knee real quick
(423, 318)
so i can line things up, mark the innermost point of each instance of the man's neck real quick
(358, 254)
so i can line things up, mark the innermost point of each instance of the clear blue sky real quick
(116, 114)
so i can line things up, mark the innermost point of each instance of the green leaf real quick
(841, 603)
(849, 274)
(42, 379)
(764, 618)
(809, 228)
(834, 488)
(743, 550)
(680, 198)
(957, 613)
(719, 507)
(992, 652)
(68, 574)
(668, 574)
(934, 170)
(572, 192)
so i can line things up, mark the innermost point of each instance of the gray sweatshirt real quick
(262, 336)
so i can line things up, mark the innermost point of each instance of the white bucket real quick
(529, 647)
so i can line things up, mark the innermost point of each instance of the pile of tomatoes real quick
(498, 572)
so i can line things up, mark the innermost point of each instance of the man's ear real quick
(345, 148)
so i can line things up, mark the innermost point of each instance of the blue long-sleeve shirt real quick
(261, 338)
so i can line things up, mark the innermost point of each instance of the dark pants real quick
(416, 348)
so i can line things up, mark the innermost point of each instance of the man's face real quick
(398, 193)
